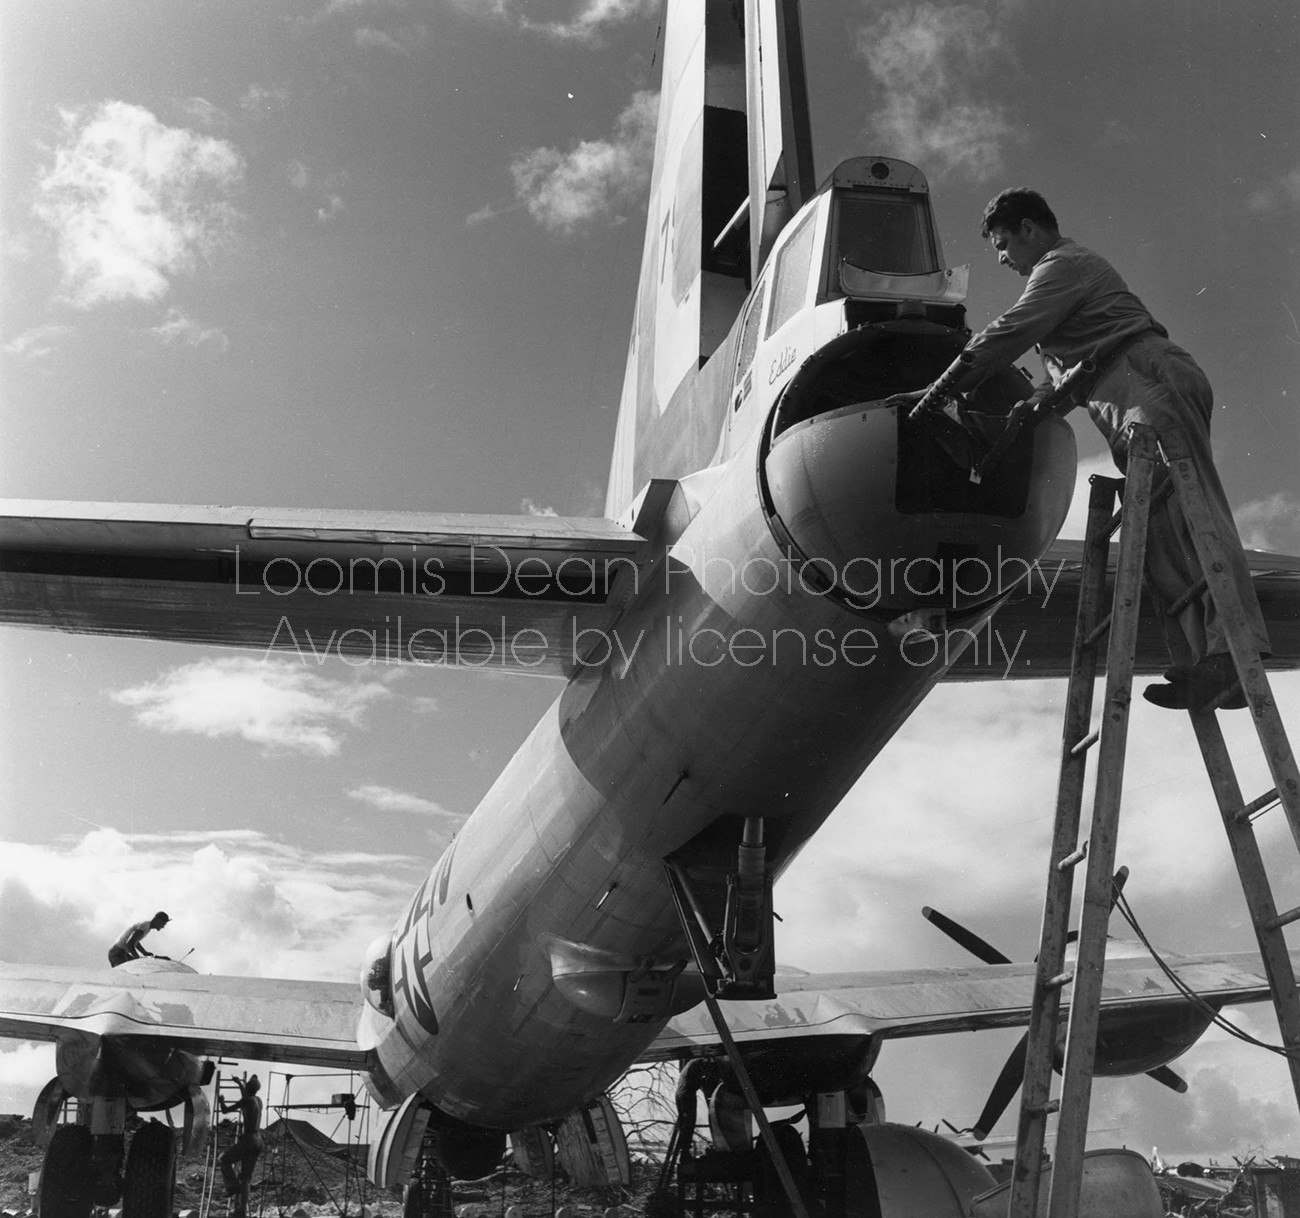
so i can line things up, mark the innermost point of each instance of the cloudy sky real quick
(381, 254)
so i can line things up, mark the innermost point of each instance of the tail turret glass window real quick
(890, 235)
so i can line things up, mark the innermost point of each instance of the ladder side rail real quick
(1045, 1008)
(1254, 886)
(1090, 962)
(1210, 551)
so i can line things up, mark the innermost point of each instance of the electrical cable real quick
(1213, 1012)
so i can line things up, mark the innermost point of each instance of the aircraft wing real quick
(1039, 618)
(305, 1023)
(508, 593)
(930, 1002)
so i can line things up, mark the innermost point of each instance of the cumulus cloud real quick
(204, 112)
(573, 20)
(274, 703)
(404, 41)
(928, 59)
(247, 905)
(533, 508)
(177, 327)
(322, 186)
(490, 211)
(38, 929)
(597, 179)
(37, 343)
(1233, 1105)
(134, 203)
(957, 811)
(24, 1070)
(1277, 197)
(388, 799)
(1270, 524)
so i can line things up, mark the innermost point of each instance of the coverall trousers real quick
(1157, 383)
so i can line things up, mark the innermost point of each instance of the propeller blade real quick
(964, 938)
(1117, 886)
(1004, 1088)
(1172, 1080)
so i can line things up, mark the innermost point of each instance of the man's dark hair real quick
(1012, 206)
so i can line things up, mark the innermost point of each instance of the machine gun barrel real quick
(942, 388)
(1028, 414)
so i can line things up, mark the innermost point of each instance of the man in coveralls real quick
(1074, 307)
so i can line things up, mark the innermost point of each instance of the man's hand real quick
(906, 400)
(1032, 406)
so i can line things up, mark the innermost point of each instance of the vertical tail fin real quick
(729, 82)
(780, 137)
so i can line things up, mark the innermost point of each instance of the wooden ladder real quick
(1117, 629)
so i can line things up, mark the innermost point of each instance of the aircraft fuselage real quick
(755, 671)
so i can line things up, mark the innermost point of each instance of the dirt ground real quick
(288, 1178)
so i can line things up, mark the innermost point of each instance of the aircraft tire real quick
(150, 1177)
(67, 1174)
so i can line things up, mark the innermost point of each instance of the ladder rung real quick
(1086, 743)
(1073, 859)
(1256, 806)
(1181, 479)
(1158, 495)
(1102, 540)
(1187, 598)
(1284, 919)
(1098, 630)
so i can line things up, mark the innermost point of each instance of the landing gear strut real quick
(736, 961)
(738, 964)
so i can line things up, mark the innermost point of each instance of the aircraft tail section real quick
(780, 136)
(698, 255)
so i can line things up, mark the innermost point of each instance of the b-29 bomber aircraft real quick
(786, 567)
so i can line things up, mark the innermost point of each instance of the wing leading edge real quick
(931, 1002)
(314, 1023)
(304, 1023)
